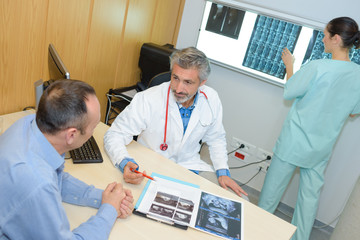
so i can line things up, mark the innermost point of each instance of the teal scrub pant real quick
(311, 181)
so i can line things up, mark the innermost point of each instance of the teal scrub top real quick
(325, 92)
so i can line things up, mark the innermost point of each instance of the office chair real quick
(119, 99)
(154, 59)
(159, 79)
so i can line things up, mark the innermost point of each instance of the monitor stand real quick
(38, 91)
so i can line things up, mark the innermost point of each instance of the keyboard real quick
(87, 153)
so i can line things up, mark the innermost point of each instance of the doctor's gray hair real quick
(191, 58)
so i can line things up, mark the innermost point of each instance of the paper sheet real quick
(171, 200)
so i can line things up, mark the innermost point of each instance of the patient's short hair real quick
(63, 105)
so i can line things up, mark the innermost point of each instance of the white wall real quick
(255, 110)
(320, 10)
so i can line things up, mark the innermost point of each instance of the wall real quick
(348, 226)
(98, 40)
(255, 110)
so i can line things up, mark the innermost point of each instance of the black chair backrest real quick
(159, 79)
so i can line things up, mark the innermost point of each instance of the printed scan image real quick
(219, 216)
(160, 210)
(186, 205)
(182, 217)
(167, 199)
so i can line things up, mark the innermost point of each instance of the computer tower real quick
(154, 59)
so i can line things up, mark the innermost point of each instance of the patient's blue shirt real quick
(33, 186)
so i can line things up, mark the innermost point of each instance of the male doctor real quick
(173, 119)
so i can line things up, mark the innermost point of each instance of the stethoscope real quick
(164, 146)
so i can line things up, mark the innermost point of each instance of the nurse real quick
(173, 119)
(325, 93)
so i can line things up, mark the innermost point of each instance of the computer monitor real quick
(57, 68)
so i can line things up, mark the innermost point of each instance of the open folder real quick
(184, 204)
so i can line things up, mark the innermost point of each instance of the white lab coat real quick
(145, 117)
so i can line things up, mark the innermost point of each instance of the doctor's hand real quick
(130, 176)
(226, 182)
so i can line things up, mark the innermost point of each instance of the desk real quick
(258, 224)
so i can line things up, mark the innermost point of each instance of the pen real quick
(133, 170)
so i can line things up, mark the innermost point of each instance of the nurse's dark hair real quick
(191, 57)
(63, 105)
(347, 29)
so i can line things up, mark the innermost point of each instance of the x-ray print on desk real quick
(172, 201)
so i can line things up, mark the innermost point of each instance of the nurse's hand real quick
(226, 182)
(288, 60)
(287, 57)
(130, 176)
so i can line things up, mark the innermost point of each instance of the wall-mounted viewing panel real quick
(252, 42)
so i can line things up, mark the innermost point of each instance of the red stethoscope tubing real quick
(204, 94)
(164, 146)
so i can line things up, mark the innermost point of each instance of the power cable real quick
(267, 158)
(28, 107)
(251, 178)
(241, 146)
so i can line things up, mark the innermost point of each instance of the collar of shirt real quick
(53, 158)
(192, 106)
(185, 113)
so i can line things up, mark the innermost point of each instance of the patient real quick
(33, 183)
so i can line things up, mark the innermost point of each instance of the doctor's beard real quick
(184, 98)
